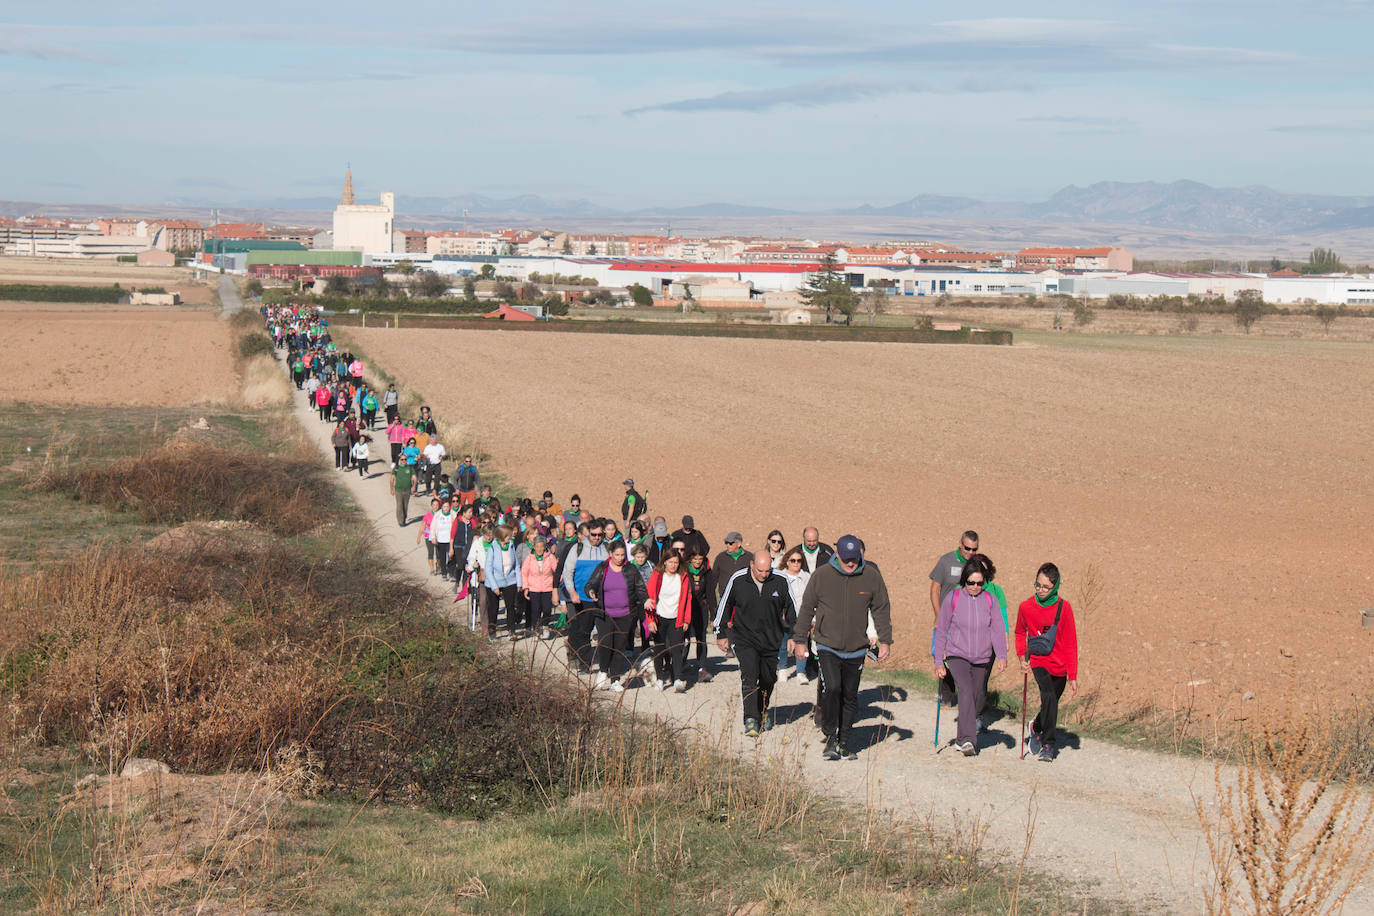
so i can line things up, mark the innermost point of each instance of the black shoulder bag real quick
(1044, 643)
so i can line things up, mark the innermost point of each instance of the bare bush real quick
(1286, 839)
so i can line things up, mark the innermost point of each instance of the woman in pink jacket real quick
(536, 574)
(396, 435)
(670, 605)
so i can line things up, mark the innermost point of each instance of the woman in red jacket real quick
(1036, 616)
(670, 600)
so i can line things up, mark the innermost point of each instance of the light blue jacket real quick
(495, 578)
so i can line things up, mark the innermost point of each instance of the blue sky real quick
(803, 104)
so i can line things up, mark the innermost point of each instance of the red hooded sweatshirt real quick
(1032, 620)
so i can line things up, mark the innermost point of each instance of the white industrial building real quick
(666, 277)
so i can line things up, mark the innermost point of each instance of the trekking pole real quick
(1025, 686)
(938, 700)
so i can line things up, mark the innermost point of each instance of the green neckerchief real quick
(815, 549)
(959, 552)
(735, 554)
(631, 543)
(1051, 598)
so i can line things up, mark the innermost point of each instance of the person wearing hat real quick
(693, 539)
(836, 606)
(634, 504)
(660, 542)
(730, 561)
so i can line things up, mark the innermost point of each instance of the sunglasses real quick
(796, 560)
(775, 541)
(974, 583)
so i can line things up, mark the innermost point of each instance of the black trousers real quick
(441, 557)
(395, 453)
(668, 650)
(839, 694)
(696, 627)
(613, 643)
(581, 619)
(758, 674)
(539, 610)
(507, 594)
(1051, 689)
(341, 457)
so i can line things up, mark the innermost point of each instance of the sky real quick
(803, 105)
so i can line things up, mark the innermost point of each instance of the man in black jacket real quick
(755, 615)
(691, 538)
(815, 553)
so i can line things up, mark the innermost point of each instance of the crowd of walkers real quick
(637, 604)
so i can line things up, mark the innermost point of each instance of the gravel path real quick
(1110, 819)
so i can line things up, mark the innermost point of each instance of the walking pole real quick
(1025, 684)
(938, 699)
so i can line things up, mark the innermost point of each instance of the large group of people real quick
(637, 604)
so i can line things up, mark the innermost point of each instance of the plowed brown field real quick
(109, 356)
(1218, 492)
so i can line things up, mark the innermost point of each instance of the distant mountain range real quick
(1179, 205)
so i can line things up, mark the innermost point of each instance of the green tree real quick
(1324, 261)
(1250, 307)
(1083, 313)
(567, 248)
(591, 249)
(504, 290)
(405, 266)
(338, 285)
(383, 288)
(828, 289)
(433, 285)
(554, 305)
(641, 295)
(487, 272)
(253, 287)
(469, 289)
(1327, 314)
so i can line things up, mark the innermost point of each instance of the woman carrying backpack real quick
(969, 634)
(1047, 644)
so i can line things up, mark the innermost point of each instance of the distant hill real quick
(1185, 207)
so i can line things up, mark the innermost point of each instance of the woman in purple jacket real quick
(969, 634)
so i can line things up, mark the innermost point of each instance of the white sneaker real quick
(616, 687)
(601, 681)
(680, 686)
(803, 679)
(789, 674)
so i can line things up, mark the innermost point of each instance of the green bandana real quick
(1052, 597)
(959, 552)
(735, 554)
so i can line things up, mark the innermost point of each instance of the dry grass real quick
(1287, 839)
(187, 480)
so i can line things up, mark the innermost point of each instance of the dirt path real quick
(1111, 819)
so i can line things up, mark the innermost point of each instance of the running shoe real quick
(601, 681)
(1034, 745)
(803, 679)
(832, 751)
(705, 676)
(680, 686)
(848, 753)
(966, 748)
(751, 728)
(1047, 754)
(616, 687)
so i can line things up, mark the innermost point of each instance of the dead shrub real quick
(235, 657)
(1287, 838)
(185, 481)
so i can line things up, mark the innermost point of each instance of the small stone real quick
(1247, 696)
(1286, 652)
(138, 766)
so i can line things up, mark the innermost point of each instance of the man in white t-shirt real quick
(434, 462)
